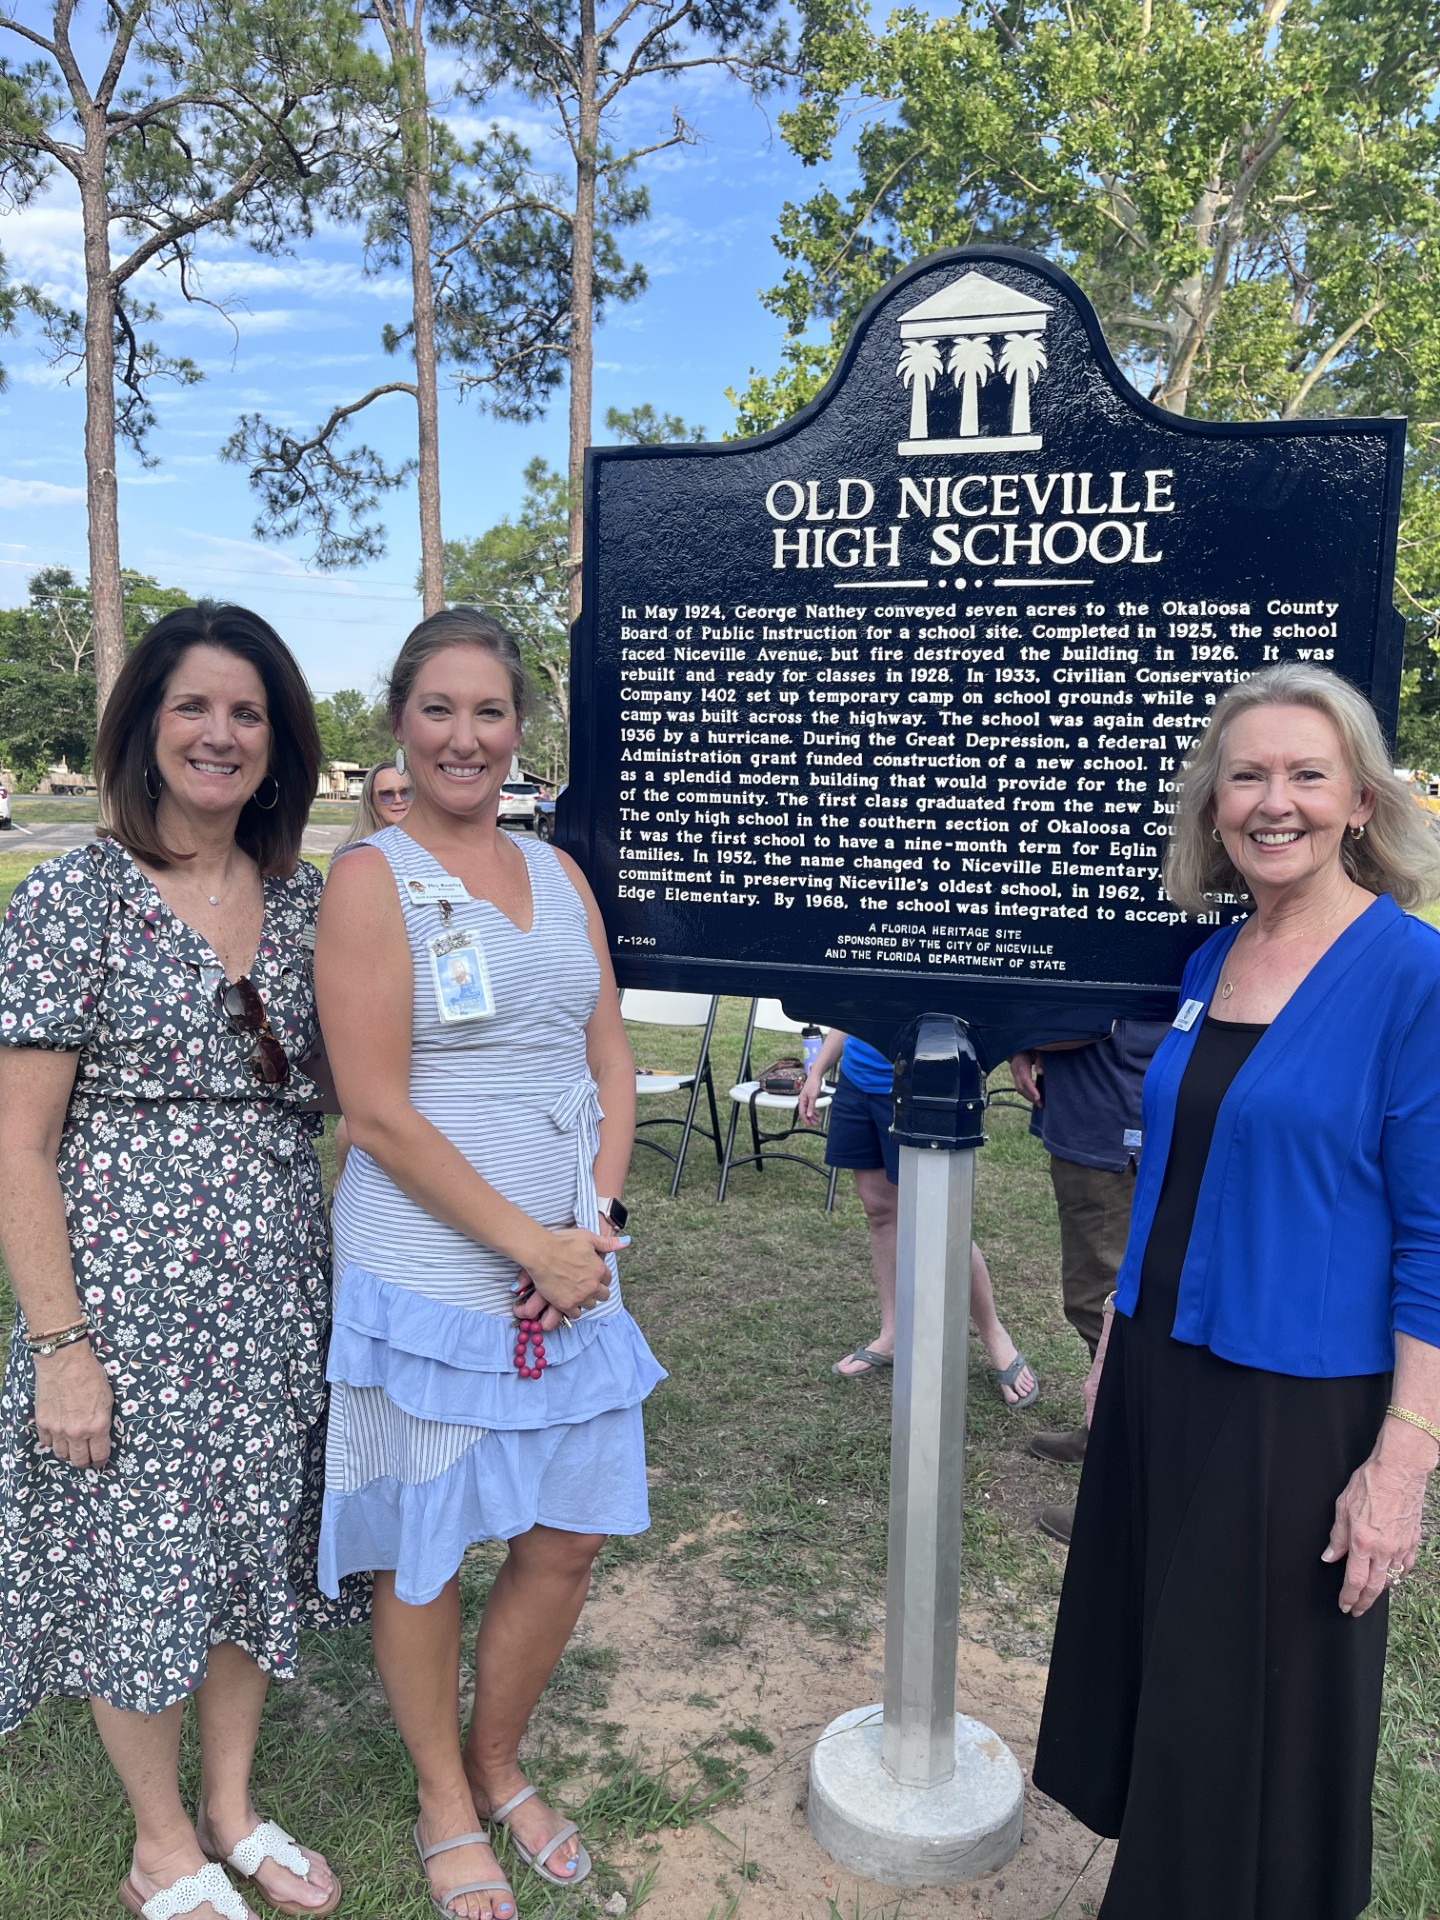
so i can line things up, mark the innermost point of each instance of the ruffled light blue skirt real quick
(427, 1455)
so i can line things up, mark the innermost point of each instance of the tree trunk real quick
(415, 136)
(101, 495)
(582, 297)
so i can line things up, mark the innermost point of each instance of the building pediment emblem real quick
(969, 331)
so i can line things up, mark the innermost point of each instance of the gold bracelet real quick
(1415, 1420)
(53, 1342)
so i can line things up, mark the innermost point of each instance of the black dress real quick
(1208, 1702)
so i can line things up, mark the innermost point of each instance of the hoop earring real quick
(1358, 833)
(1216, 835)
(159, 787)
(270, 806)
(401, 764)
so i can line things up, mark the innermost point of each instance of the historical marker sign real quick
(878, 712)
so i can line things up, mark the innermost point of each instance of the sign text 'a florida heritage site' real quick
(881, 712)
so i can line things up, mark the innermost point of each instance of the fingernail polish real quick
(624, 1240)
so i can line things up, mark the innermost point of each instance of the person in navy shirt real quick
(1266, 1393)
(859, 1138)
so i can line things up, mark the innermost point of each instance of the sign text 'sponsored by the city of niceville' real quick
(882, 711)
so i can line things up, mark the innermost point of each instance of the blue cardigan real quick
(1317, 1226)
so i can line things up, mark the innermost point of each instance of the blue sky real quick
(306, 336)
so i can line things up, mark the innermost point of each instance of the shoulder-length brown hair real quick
(1398, 853)
(125, 743)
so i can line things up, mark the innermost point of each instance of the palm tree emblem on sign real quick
(920, 367)
(971, 365)
(971, 327)
(1022, 359)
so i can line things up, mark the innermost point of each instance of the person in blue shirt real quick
(1266, 1393)
(859, 1138)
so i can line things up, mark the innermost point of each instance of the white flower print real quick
(166, 1124)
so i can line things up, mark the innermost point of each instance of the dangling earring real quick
(1216, 835)
(159, 787)
(401, 764)
(1358, 833)
(267, 806)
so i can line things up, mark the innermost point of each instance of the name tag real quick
(428, 893)
(1189, 1014)
(462, 979)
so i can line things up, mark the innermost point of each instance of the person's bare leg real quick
(528, 1619)
(998, 1345)
(144, 1749)
(880, 1201)
(228, 1704)
(417, 1653)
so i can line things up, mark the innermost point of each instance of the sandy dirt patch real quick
(672, 1691)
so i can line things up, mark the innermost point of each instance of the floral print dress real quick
(200, 1250)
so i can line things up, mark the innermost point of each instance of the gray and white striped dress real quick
(435, 1441)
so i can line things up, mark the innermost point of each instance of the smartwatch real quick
(615, 1211)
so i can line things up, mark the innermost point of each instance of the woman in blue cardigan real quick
(1269, 1407)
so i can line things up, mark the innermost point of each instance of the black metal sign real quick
(880, 712)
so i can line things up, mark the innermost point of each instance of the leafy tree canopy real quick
(1246, 189)
(353, 727)
(642, 427)
(47, 666)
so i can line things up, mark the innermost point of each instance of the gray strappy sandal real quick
(536, 1861)
(440, 1903)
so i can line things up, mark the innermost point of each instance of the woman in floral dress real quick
(162, 1219)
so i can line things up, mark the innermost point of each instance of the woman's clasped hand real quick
(486, 1379)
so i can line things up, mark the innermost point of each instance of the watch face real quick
(616, 1211)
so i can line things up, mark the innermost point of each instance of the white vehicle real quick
(5, 821)
(519, 800)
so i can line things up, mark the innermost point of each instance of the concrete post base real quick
(914, 1836)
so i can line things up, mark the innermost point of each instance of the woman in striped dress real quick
(474, 1030)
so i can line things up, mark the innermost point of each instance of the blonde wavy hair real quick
(367, 820)
(1399, 853)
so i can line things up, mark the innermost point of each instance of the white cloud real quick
(40, 373)
(37, 493)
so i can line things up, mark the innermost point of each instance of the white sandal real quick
(270, 1841)
(189, 1892)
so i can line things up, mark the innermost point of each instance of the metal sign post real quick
(911, 1793)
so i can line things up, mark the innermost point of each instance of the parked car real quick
(545, 813)
(5, 821)
(518, 802)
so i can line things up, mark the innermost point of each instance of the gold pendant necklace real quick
(1227, 987)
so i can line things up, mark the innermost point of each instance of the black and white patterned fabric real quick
(198, 1236)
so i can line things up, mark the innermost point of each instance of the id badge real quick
(445, 889)
(462, 979)
(1189, 1014)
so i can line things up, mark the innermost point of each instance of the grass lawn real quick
(769, 1495)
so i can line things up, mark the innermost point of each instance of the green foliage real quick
(493, 273)
(47, 667)
(642, 427)
(353, 727)
(517, 570)
(1246, 189)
